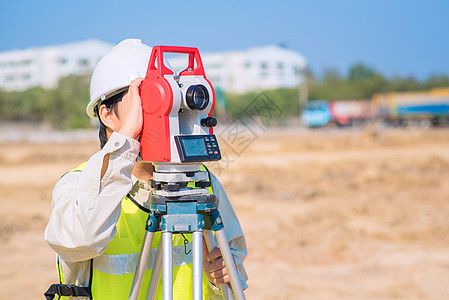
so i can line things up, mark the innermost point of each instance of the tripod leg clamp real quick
(215, 222)
(152, 222)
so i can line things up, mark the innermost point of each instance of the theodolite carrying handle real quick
(157, 57)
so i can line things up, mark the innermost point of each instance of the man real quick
(99, 209)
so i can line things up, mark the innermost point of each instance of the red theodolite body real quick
(177, 111)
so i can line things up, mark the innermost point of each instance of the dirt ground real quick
(328, 214)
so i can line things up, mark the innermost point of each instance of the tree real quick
(70, 100)
(63, 108)
(435, 81)
(404, 84)
(360, 72)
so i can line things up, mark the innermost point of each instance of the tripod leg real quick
(156, 273)
(229, 263)
(141, 265)
(197, 265)
(167, 262)
(211, 244)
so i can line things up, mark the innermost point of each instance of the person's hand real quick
(214, 266)
(131, 115)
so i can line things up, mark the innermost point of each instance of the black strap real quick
(137, 204)
(67, 290)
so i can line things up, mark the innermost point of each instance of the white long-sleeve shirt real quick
(85, 209)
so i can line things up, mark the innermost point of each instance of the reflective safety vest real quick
(112, 272)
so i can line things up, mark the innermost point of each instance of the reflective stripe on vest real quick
(126, 263)
(113, 271)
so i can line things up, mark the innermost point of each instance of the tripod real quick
(176, 208)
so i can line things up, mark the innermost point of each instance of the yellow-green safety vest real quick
(113, 271)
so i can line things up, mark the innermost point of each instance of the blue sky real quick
(396, 37)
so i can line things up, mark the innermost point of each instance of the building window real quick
(296, 70)
(213, 66)
(9, 78)
(83, 62)
(63, 60)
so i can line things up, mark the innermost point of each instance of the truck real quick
(351, 112)
(319, 113)
(316, 113)
(404, 108)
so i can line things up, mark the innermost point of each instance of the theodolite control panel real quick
(194, 148)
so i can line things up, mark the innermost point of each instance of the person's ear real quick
(106, 116)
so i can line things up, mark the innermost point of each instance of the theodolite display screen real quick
(197, 148)
(194, 147)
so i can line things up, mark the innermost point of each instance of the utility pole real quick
(303, 92)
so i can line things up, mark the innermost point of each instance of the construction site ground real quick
(327, 214)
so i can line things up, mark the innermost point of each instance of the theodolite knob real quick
(209, 122)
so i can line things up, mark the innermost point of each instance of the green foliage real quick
(280, 102)
(435, 81)
(29, 105)
(362, 82)
(63, 108)
(359, 73)
(70, 101)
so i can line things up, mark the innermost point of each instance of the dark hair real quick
(111, 104)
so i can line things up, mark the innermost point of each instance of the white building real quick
(23, 69)
(258, 68)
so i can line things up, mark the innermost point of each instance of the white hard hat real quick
(115, 71)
